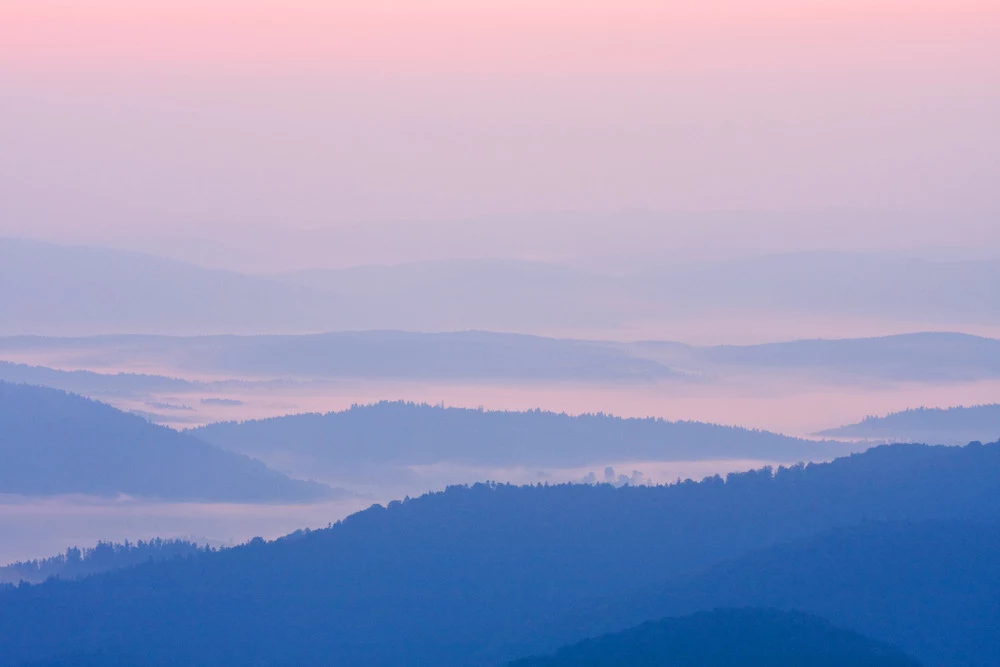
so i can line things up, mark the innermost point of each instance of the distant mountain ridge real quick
(484, 355)
(89, 382)
(54, 443)
(407, 434)
(938, 425)
(922, 356)
(365, 354)
(77, 290)
(49, 288)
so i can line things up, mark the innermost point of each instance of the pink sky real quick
(129, 122)
(541, 37)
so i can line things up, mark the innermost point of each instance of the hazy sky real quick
(269, 134)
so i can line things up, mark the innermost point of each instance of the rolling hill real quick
(471, 575)
(929, 587)
(947, 426)
(722, 638)
(54, 443)
(398, 433)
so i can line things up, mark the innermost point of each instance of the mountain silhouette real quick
(464, 576)
(399, 433)
(105, 556)
(929, 587)
(483, 355)
(726, 637)
(947, 426)
(52, 443)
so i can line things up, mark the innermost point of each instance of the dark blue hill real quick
(464, 576)
(931, 588)
(722, 638)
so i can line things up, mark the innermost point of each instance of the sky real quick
(265, 135)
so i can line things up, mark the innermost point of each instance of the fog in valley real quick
(804, 390)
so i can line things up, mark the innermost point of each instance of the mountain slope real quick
(57, 443)
(456, 578)
(931, 588)
(722, 638)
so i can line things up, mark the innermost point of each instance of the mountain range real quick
(899, 544)
(73, 290)
(489, 356)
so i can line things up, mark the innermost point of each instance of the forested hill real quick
(409, 433)
(105, 556)
(89, 382)
(946, 426)
(727, 637)
(55, 443)
(929, 587)
(461, 576)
